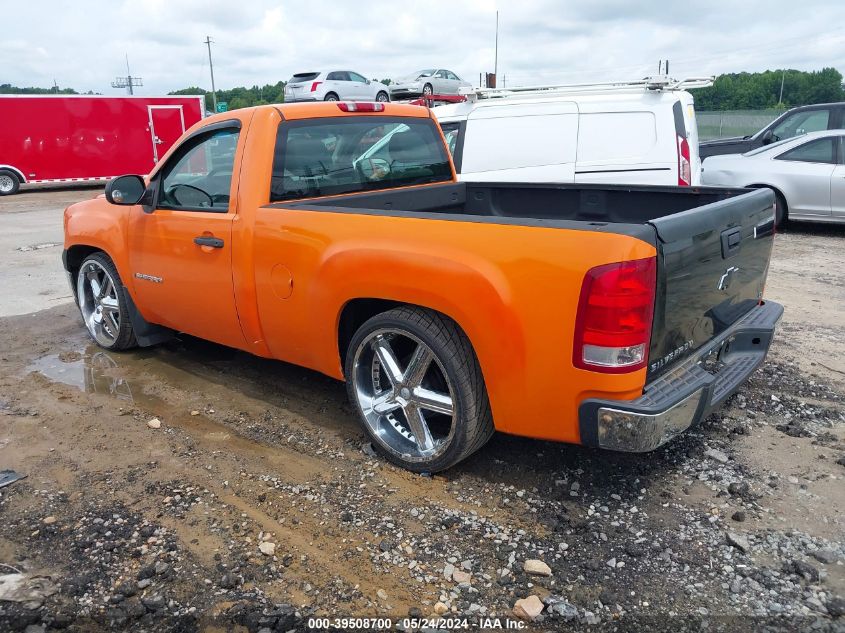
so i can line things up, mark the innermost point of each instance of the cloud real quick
(83, 44)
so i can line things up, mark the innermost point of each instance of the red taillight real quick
(615, 311)
(684, 167)
(314, 86)
(349, 106)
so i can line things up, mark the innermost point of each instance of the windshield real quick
(333, 156)
(766, 148)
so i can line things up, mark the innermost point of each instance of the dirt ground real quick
(256, 505)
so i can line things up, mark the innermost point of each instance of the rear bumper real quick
(686, 394)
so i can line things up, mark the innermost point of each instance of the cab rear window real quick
(333, 156)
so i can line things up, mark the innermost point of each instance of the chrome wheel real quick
(405, 395)
(98, 302)
(381, 97)
(428, 90)
(7, 183)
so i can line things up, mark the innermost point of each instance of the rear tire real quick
(331, 97)
(9, 182)
(102, 301)
(412, 372)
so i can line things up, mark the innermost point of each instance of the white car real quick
(806, 172)
(335, 85)
(431, 81)
(628, 133)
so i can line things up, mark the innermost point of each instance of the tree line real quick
(732, 91)
(762, 91)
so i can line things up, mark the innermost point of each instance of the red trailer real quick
(73, 138)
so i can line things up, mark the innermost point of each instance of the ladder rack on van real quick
(661, 82)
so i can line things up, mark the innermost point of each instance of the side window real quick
(441, 74)
(357, 77)
(338, 75)
(451, 131)
(333, 77)
(819, 151)
(199, 176)
(801, 123)
(451, 75)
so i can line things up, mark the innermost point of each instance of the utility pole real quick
(496, 50)
(782, 78)
(129, 81)
(211, 68)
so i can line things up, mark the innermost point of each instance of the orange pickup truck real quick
(335, 236)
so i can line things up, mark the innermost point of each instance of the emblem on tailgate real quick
(725, 279)
(675, 353)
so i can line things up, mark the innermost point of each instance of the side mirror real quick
(768, 137)
(368, 82)
(125, 190)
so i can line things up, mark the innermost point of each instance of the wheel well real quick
(15, 171)
(778, 193)
(76, 254)
(358, 311)
(354, 315)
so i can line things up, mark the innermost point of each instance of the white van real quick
(636, 133)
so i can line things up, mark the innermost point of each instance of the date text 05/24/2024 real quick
(387, 624)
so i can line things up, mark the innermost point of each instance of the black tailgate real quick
(712, 267)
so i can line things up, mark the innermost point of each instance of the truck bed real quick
(619, 204)
(713, 244)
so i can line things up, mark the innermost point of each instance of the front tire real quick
(9, 182)
(102, 303)
(382, 97)
(428, 90)
(781, 214)
(416, 383)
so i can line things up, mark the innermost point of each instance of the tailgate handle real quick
(731, 240)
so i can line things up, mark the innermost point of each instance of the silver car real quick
(431, 81)
(807, 174)
(334, 85)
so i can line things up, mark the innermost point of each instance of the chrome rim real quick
(98, 303)
(427, 90)
(404, 394)
(6, 183)
(381, 97)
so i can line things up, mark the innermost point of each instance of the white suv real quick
(336, 85)
(630, 134)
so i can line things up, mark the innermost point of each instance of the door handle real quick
(213, 242)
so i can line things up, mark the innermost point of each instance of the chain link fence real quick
(728, 123)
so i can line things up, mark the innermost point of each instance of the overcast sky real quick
(82, 44)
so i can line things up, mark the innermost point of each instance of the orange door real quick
(180, 255)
